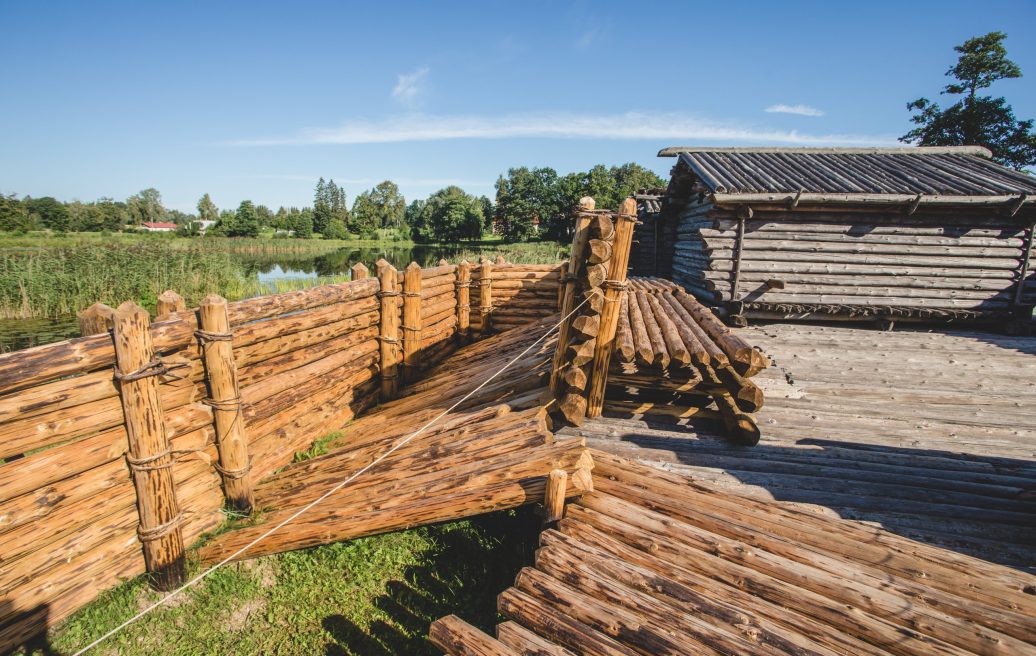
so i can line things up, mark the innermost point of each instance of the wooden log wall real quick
(821, 263)
(674, 357)
(239, 393)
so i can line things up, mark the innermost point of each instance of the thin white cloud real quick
(590, 37)
(410, 87)
(631, 126)
(799, 110)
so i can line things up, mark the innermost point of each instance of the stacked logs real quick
(676, 358)
(592, 246)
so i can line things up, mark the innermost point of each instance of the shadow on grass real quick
(469, 564)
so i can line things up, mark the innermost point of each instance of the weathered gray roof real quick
(951, 172)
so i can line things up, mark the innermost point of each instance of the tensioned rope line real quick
(337, 487)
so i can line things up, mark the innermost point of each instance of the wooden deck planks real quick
(656, 563)
(929, 433)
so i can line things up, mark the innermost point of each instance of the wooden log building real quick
(844, 233)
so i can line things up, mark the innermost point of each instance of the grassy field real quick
(55, 276)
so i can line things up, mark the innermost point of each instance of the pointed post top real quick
(443, 262)
(359, 271)
(170, 296)
(381, 262)
(587, 203)
(128, 310)
(464, 263)
(482, 259)
(500, 259)
(628, 207)
(413, 266)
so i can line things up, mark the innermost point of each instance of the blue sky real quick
(257, 100)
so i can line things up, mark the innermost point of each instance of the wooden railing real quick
(122, 448)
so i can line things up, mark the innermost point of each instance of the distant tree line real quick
(529, 203)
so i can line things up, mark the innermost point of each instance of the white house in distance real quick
(159, 226)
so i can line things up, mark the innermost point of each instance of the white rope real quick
(325, 495)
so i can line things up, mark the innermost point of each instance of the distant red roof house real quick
(159, 226)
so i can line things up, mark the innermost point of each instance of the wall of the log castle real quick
(102, 477)
(843, 263)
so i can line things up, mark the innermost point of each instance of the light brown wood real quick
(96, 319)
(225, 397)
(580, 237)
(485, 297)
(159, 512)
(456, 637)
(617, 270)
(411, 319)
(390, 346)
(169, 302)
(359, 271)
(464, 300)
(554, 497)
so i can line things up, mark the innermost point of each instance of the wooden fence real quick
(107, 474)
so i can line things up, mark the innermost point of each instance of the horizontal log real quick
(438, 271)
(281, 326)
(283, 343)
(456, 637)
(861, 280)
(268, 369)
(855, 235)
(854, 258)
(751, 246)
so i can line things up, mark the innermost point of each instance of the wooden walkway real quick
(654, 563)
(930, 434)
(492, 452)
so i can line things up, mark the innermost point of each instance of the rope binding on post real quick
(151, 534)
(206, 336)
(154, 368)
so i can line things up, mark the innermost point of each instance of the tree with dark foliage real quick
(977, 120)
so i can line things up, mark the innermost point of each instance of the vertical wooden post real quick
(389, 330)
(96, 319)
(576, 260)
(463, 300)
(168, 303)
(149, 454)
(225, 399)
(614, 287)
(500, 260)
(443, 261)
(359, 271)
(485, 296)
(554, 496)
(562, 272)
(411, 319)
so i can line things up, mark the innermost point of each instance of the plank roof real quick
(964, 171)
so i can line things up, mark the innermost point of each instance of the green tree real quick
(416, 217)
(246, 221)
(115, 214)
(974, 119)
(487, 214)
(528, 201)
(145, 206)
(265, 215)
(321, 207)
(14, 215)
(452, 215)
(381, 207)
(49, 212)
(207, 210)
(301, 223)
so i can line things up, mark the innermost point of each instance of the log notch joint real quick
(150, 455)
(234, 465)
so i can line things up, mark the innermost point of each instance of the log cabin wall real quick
(920, 234)
(72, 522)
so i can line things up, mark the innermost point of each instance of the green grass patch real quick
(371, 596)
